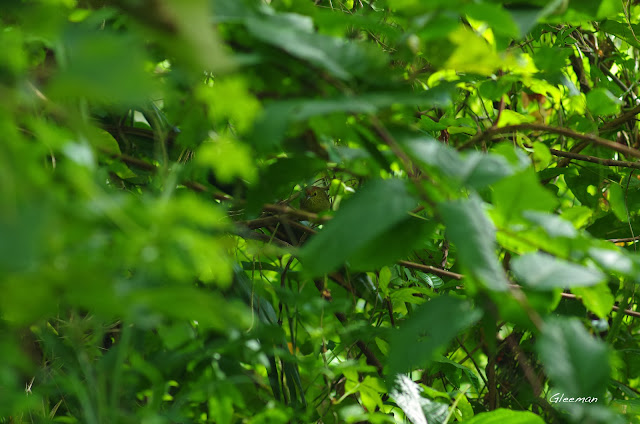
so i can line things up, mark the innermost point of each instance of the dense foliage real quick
(319, 211)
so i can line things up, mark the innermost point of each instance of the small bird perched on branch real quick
(315, 200)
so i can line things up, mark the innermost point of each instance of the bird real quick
(315, 200)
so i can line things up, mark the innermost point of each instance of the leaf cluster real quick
(473, 259)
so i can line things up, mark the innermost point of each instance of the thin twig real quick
(431, 270)
(626, 208)
(470, 358)
(593, 159)
(298, 213)
(577, 148)
(526, 367)
(621, 119)
(131, 161)
(624, 240)
(620, 148)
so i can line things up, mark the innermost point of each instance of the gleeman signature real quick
(561, 398)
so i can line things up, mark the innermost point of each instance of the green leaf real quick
(552, 224)
(625, 31)
(418, 339)
(469, 373)
(578, 215)
(374, 209)
(526, 17)
(209, 309)
(544, 272)
(613, 260)
(392, 245)
(498, 19)
(270, 129)
(602, 102)
(520, 192)
(475, 170)
(481, 170)
(551, 58)
(617, 202)
(228, 158)
(103, 66)
(278, 179)
(576, 362)
(418, 409)
(409, 295)
(494, 90)
(597, 299)
(343, 60)
(472, 54)
(469, 228)
(506, 416)
(541, 156)
(509, 117)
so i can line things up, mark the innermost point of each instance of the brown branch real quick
(200, 188)
(525, 366)
(620, 148)
(575, 149)
(621, 119)
(500, 109)
(262, 237)
(469, 357)
(298, 213)
(131, 160)
(625, 240)
(390, 311)
(254, 224)
(578, 68)
(593, 159)
(431, 270)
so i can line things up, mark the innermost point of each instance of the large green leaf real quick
(623, 30)
(601, 102)
(469, 228)
(394, 244)
(293, 34)
(98, 68)
(520, 192)
(545, 272)
(500, 20)
(475, 170)
(277, 180)
(576, 362)
(418, 409)
(271, 127)
(552, 224)
(374, 209)
(613, 259)
(506, 416)
(597, 299)
(418, 339)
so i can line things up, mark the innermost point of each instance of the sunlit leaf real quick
(506, 416)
